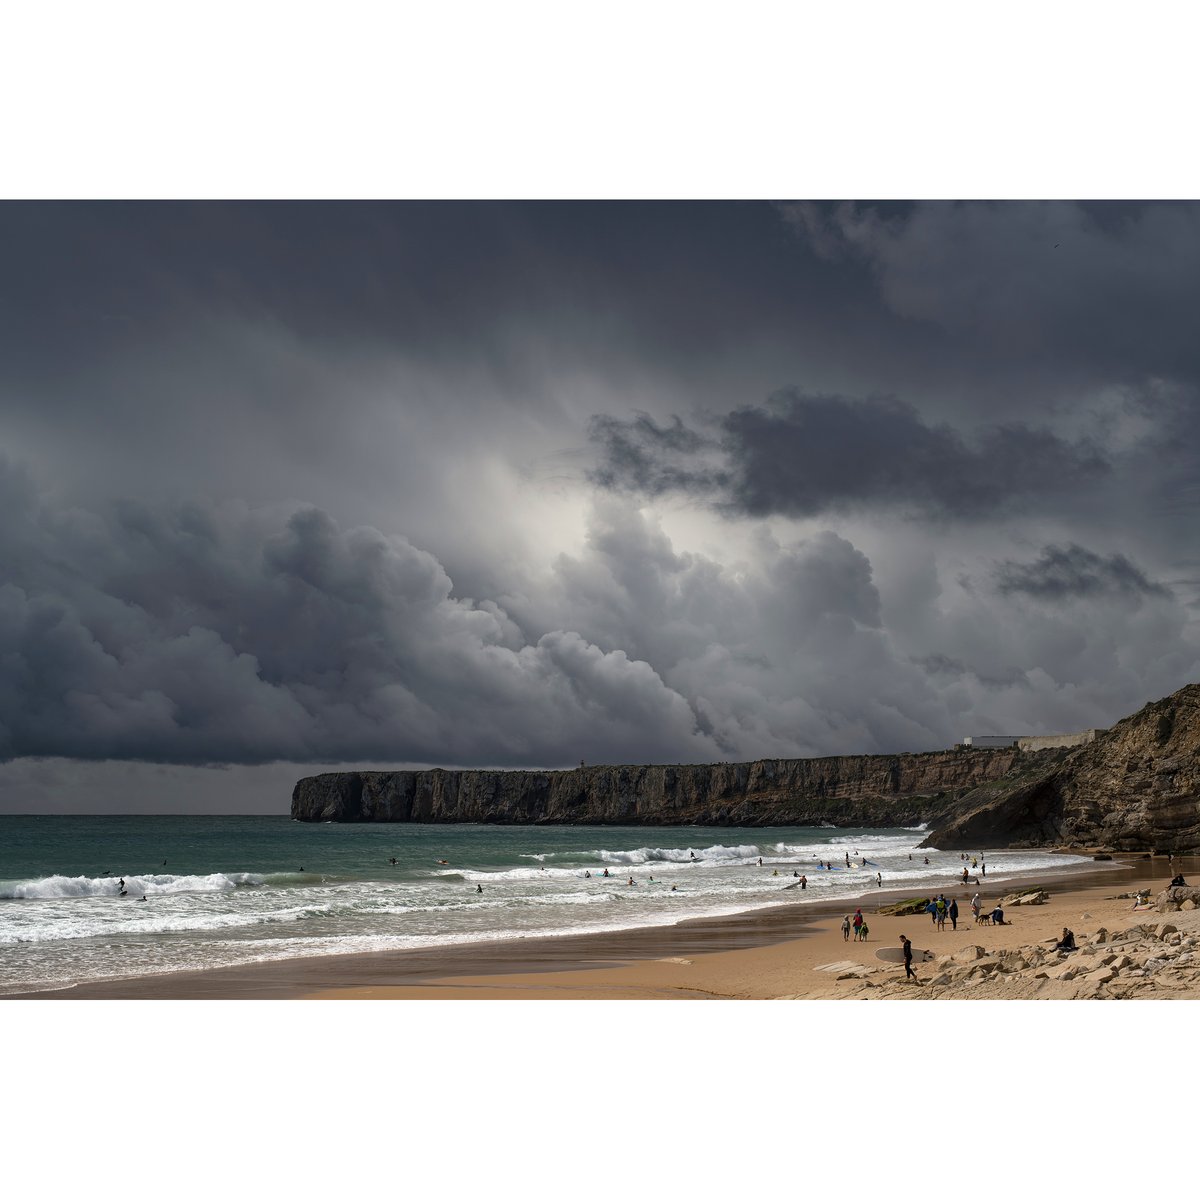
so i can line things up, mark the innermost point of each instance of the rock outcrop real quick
(1141, 962)
(1136, 787)
(864, 790)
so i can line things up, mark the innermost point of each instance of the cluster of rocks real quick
(1147, 960)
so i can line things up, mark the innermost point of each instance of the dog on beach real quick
(983, 918)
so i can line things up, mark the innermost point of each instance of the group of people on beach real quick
(858, 926)
(939, 908)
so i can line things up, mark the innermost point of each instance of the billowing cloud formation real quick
(1060, 573)
(233, 635)
(221, 633)
(802, 455)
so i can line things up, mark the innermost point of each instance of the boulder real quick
(1172, 898)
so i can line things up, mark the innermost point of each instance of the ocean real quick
(221, 891)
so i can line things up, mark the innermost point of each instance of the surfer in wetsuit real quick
(804, 883)
(605, 872)
(479, 889)
(143, 898)
(909, 973)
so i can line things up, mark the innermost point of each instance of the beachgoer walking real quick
(953, 911)
(983, 870)
(858, 920)
(931, 909)
(878, 879)
(846, 928)
(976, 905)
(909, 973)
(862, 932)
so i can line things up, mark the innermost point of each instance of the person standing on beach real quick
(953, 911)
(909, 973)
(939, 914)
(858, 920)
(878, 879)
(976, 905)
(846, 928)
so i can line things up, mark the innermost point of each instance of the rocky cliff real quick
(864, 790)
(1136, 787)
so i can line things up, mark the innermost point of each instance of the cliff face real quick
(1136, 787)
(864, 790)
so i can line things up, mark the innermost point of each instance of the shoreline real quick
(589, 956)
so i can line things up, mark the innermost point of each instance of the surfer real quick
(878, 879)
(120, 883)
(909, 973)
(927, 860)
(692, 855)
(630, 883)
(587, 874)
(392, 861)
(143, 898)
(775, 872)
(605, 872)
(674, 888)
(443, 862)
(804, 883)
(479, 889)
(760, 862)
(847, 860)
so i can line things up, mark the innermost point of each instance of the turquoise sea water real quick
(226, 890)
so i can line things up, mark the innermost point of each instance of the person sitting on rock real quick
(1066, 942)
(1177, 882)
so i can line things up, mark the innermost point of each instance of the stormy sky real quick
(292, 485)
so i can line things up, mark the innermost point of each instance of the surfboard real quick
(895, 954)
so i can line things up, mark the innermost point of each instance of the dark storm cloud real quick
(803, 455)
(1107, 287)
(229, 635)
(1063, 573)
(641, 455)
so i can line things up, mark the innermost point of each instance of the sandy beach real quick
(791, 952)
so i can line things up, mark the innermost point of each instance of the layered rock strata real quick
(1136, 787)
(863, 790)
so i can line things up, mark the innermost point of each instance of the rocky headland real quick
(1136, 787)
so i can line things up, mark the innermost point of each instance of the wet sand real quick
(757, 954)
